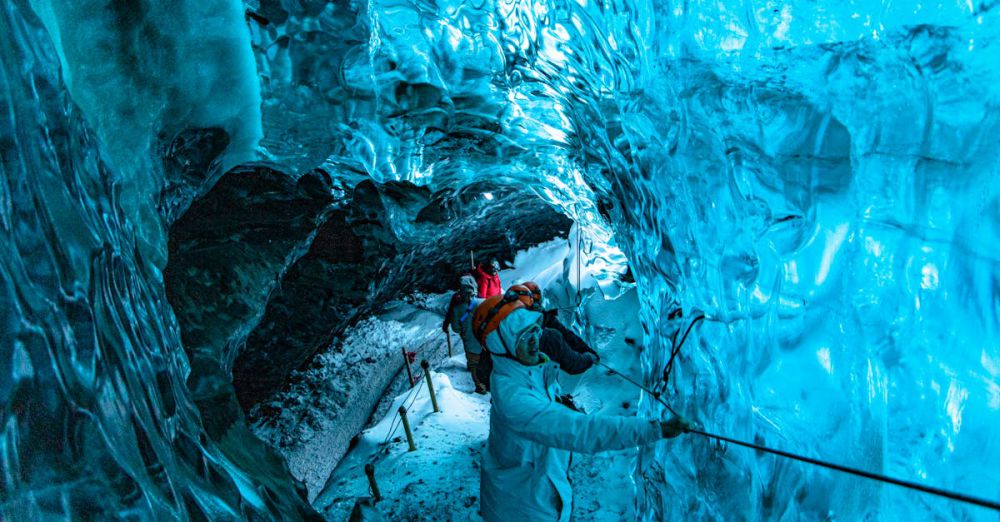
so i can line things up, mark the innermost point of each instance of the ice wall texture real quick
(823, 185)
(118, 121)
(819, 177)
(98, 420)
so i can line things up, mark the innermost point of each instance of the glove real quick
(674, 427)
(567, 401)
(594, 357)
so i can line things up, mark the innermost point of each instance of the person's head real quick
(493, 267)
(526, 348)
(519, 334)
(508, 328)
(467, 285)
(536, 295)
(521, 293)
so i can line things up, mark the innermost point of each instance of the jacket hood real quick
(510, 329)
(468, 284)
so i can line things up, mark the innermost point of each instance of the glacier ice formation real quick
(184, 182)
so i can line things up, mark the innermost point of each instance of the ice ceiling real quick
(819, 177)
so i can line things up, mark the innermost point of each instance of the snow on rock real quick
(312, 421)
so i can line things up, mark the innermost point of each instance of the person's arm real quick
(448, 313)
(575, 342)
(540, 420)
(571, 362)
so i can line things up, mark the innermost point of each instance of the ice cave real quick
(230, 232)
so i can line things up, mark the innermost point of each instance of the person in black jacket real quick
(570, 360)
(561, 344)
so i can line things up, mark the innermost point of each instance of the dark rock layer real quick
(230, 249)
(265, 270)
(381, 247)
(321, 291)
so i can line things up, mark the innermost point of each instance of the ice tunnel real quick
(198, 197)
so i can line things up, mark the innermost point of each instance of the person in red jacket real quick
(488, 279)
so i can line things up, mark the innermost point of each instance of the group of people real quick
(515, 349)
(481, 289)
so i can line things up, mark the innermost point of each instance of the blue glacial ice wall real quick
(819, 177)
(98, 418)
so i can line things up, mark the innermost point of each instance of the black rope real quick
(394, 425)
(411, 396)
(654, 394)
(675, 350)
(809, 460)
(854, 471)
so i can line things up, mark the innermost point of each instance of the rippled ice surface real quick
(819, 177)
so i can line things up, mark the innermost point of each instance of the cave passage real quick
(205, 205)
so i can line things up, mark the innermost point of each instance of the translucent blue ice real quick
(98, 421)
(819, 177)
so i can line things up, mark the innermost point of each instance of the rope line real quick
(654, 394)
(414, 392)
(960, 497)
(675, 350)
(412, 396)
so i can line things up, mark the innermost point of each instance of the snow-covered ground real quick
(440, 481)
(312, 421)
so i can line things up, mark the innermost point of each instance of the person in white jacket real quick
(524, 474)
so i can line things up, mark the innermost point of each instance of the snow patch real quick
(312, 421)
